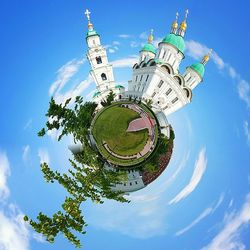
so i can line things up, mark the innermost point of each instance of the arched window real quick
(98, 60)
(104, 77)
(152, 63)
(178, 79)
(166, 68)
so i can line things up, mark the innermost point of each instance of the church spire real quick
(206, 58)
(151, 37)
(90, 25)
(183, 26)
(175, 24)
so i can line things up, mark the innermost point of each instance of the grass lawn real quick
(111, 125)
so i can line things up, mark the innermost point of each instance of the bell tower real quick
(102, 71)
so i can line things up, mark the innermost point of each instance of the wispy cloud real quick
(26, 152)
(73, 92)
(110, 50)
(64, 74)
(145, 216)
(125, 62)
(116, 43)
(138, 219)
(244, 91)
(204, 214)
(125, 36)
(14, 232)
(28, 124)
(4, 174)
(231, 203)
(246, 131)
(43, 155)
(229, 237)
(134, 44)
(199, 169)
(196, 50)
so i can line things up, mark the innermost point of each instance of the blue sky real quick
(202, 200)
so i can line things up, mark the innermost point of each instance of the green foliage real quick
(110, 98)
(70, 121)
(152, 163)
(86, 177)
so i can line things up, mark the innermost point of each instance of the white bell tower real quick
(102, 71)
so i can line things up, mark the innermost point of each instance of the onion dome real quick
(176, 41)
(149, 46)
(200, 67)
(91, 31)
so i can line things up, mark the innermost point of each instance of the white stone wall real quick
(102, 72)
(133, 183)
(192, 78)
(170, 55)
(146, 56)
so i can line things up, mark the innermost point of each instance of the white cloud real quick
(125, 36)
(111, 50)
(39, 237)
(231, 203)
(72, 93)
(138, 219)
(26, 152)
(145, 216)
(4, 174)
(144, 35)
(125, 62)
(233, 74)
(116, 43)
(28, 124)
(229, 237)
(43, 155)
(204, 214)
(64, 74)
(14, 232)
(200, 167)
(197, 50)
(247, 131)
(134, 44)
(244, 91)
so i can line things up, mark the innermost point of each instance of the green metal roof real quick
(119, 86)
(92, 33)
(199, 68)
(96, 94)
(176, 41)
(149, 47)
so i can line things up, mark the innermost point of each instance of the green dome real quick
(92, 33)
(96, 94)
(199, 68)
(176, 41)
(149, 47)
(119, 87)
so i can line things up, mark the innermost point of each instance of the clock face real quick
(96, 50)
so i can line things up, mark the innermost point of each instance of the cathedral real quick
(156, 78)
(156, 81)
